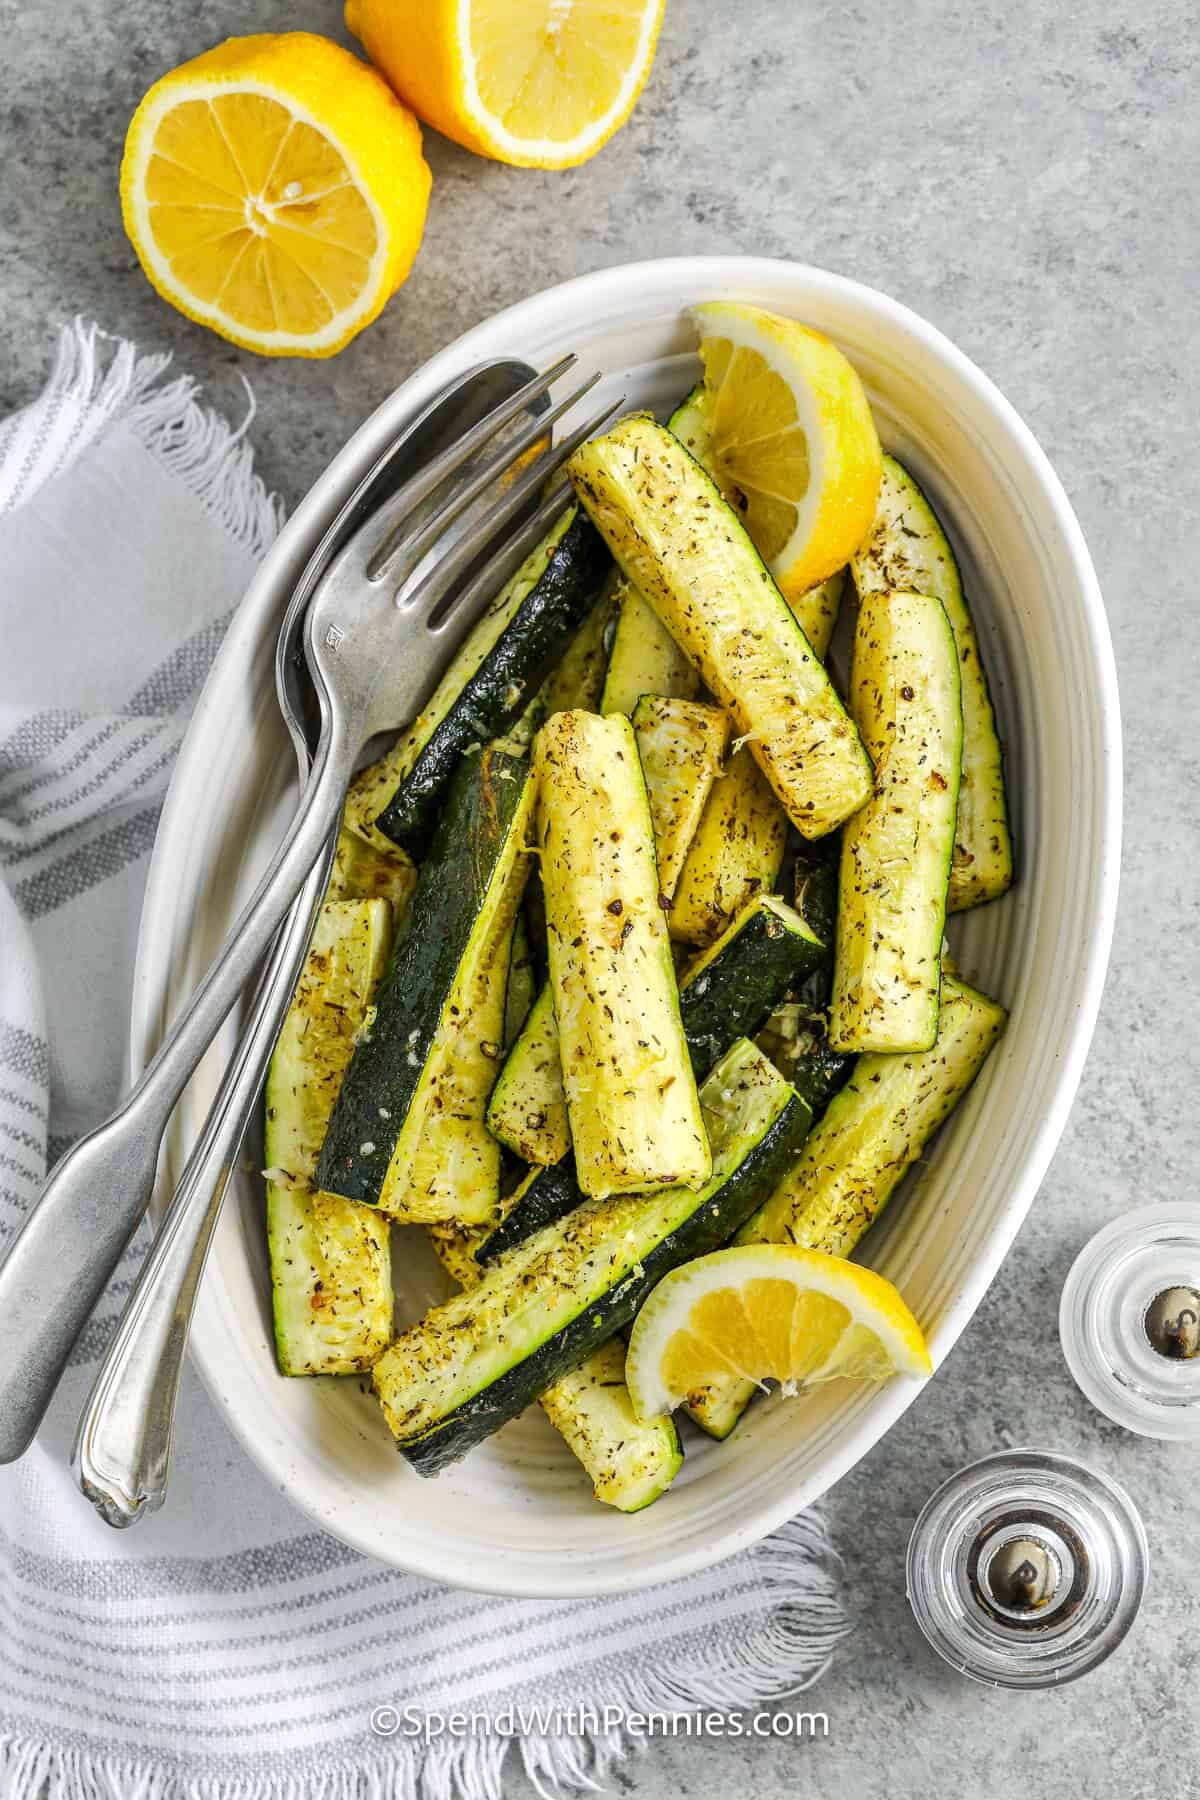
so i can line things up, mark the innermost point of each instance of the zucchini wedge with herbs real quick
(674, 535)
(527, 1112)
(488, 686)
(630, 1092)
(816, 611)
(908, 550)
(871, 1133)
(735, 853)
(331, 1272)
(538, 1312)
(628, 1463)
(362, 871)
(725, 993)
(896, 852)
(681, 745)
(412, 1106)
(644, 659)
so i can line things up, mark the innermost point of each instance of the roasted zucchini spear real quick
(896, 852)
(687, 551)
(408, 1132)
(681, 745)
(908, 550)
(331, 1273)
(630, 1091)
(628, 1463)
(736, 853)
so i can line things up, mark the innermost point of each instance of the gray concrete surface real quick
(1025, 176)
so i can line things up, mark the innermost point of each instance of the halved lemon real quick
(768, 1312)
(791, 440)
(540, 83)
(274, 189)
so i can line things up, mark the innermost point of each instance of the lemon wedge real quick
(790, 440)
(768, 1312)
(274, 189)
(540, 83)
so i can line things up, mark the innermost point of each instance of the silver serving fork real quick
(385, 619)
(125, 1434)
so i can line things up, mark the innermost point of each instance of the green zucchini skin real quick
(499, 691)
(489, 803)
(729, 990)
(551, 1195)
(726, 993)
(816, 879)
(707, 1219)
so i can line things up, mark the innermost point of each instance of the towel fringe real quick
(90, 390)
(789, 1651)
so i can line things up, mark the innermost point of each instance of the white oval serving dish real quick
(517, 1516)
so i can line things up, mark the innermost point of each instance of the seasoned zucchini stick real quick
(908, 549)
(855, 1156)
(628, 1463)
(331, 1275)
(737, 852)
(644, 659)
(411, 1109)
(537, 1313)
(725, 993)
(488, 686)
(896, 852)
(527, 1112)
(630, 1092)
(362, 871)
(681, 745)
(816, 610)
(674, 536)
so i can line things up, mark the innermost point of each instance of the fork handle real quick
(123, 1442)
(61, 1259)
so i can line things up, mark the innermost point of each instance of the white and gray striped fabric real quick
(225, 1648)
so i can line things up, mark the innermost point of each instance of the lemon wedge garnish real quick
(768, 1312)
(790, 440)
(274, 189)
(541, 83)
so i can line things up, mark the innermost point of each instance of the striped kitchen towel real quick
(224, 1647)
